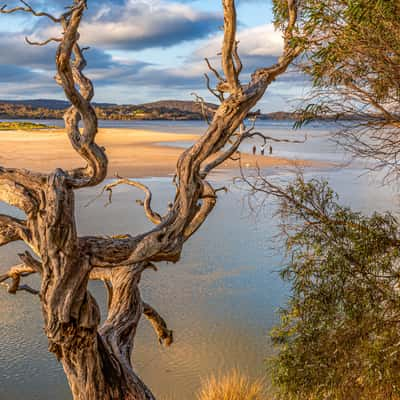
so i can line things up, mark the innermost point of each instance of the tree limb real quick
(229, 47)
(289, 52)
(68, 76)
(15, 274)
(151, 215)
(209, 200)
(20, 188)
(13, 229)
(43, 43)
(165, 336)
(28, 9)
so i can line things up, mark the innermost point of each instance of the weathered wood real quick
(97, 360)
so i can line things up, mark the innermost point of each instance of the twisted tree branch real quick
(229, 47)
(13, 229)
(28, 9)
(98, 361)
(28, 267)
(43, 43)
(69, 75)
(165, 336)
(151, 215)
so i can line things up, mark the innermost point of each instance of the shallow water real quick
(220, 300)
(317, 145)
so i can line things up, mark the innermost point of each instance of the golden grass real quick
(232, 386)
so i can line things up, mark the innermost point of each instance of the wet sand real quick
(132, 153)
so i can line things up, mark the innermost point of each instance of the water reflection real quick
(220, 299)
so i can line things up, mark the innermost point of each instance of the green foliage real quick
(8, 126)
(343, 34)
(353, 53)
(280, 10)
(308, 114)
(339, 336)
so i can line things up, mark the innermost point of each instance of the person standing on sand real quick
(262, 149)
(254, 150)
(270, 149)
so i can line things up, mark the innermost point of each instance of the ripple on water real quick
(220, 299)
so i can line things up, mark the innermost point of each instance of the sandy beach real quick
(132, 153)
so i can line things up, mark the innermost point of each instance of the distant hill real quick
(186, 106)
(38, 103)
(46, 103)
(278, 116)
(158, 110)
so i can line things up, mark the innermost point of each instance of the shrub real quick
(232, 386)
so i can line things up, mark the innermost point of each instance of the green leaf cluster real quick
(352, 54)
(339, 335)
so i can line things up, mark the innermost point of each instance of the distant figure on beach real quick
(254, 150)
(262, 149)
(270, 149)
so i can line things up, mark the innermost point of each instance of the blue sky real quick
(143, 50)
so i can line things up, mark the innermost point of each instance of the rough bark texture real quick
(97, 359)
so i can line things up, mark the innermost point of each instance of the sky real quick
(143, 50)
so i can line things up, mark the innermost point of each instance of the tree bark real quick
(97, 359)
(98, 363)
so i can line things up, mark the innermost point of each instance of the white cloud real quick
(258, 41)
(141, 24)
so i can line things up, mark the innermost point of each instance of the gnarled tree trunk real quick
(97, 359)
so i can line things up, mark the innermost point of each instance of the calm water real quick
(220, 299)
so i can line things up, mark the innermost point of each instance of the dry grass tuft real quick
(232, 386)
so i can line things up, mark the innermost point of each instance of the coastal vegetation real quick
(23, 126)
(339, 334)
(163, 110)
(160, 110)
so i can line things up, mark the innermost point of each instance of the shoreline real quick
(133, 153)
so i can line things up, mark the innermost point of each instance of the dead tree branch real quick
(165, 336)
(13, 229)
(229, 47)
(19, 271)
(151, 215)
(97, 359)
(43, 43)
(204, 109)
(28, 9)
